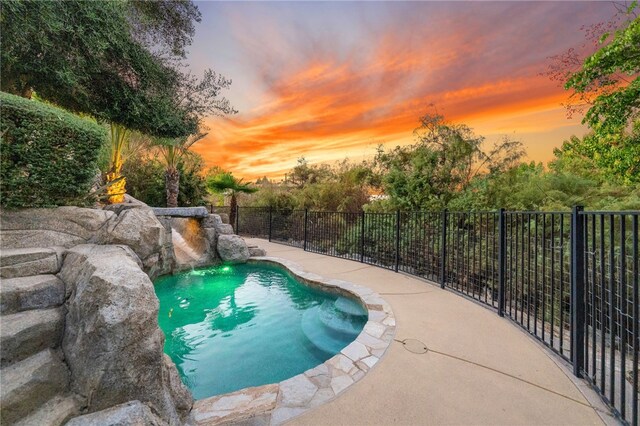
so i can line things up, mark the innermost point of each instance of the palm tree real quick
(227, 184)
(172, 152)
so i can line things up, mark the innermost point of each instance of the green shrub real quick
(48, 155)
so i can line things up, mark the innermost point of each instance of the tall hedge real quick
(48, 155)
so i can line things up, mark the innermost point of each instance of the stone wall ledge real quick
(195, 212)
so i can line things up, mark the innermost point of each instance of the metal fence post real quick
(362, 237)
(577, 290)
(443, 248)
(635, 315)
(502, 260)
(397, 240)
(304, 246)
(270, 210)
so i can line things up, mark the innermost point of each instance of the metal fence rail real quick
(611, 318)
(471, 254)
(254, 221)
(334, 234)
(568, 278)
(538, 276)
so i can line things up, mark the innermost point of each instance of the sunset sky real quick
(329, 80)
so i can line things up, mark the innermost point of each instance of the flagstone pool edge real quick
(274, 404)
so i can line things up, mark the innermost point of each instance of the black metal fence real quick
(568, 278)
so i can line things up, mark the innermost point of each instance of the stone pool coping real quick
(274, 404)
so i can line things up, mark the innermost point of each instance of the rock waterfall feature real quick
(80, 337)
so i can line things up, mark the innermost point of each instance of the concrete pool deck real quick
(480, 368)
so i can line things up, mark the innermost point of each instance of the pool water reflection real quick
(231, 327)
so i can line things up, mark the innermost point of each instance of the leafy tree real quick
(344, 186)
(198, 96)
(607, 84)
(616, 159)
(566, 181)
(303, 174)
(226, 183)
(163, 27)
(530, 186)
(84, 57)
(613, 73)
(118, 61)
(279, 196)
(193, 189)
(145, 179)
(201, 97)
(444, 161)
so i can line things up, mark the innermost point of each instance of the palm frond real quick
(226, 182)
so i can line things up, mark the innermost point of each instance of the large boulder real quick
(139, 229)
(232, 249)
(61, 226)
(209, 225)
(112, 342)
(211, 221)
(131, 223)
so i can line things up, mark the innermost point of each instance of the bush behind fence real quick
(568, 278)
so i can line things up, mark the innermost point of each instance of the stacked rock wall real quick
(111, 342)
(66, 227)
(108, 328)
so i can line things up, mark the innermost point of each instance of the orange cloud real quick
(329, 103)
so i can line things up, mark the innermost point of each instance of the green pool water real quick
(232, 327)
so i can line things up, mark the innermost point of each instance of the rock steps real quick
(25, 262)
(28, 332)
(30, 383)
(54, 412)
(32, 292)
(34, 388)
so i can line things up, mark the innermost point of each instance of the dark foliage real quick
(84, 56)
(49, 156)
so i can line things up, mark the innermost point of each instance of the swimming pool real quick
(232, 327)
